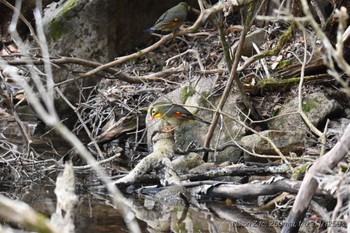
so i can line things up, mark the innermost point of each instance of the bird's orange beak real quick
(158, 115)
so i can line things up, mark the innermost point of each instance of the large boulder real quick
(288, 130)
(99, 31)
(285, 141)
(194, 133)
(316, 106)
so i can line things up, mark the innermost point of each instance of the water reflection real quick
(202, 217)
(95, 213)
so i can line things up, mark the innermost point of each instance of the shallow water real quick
(95, 213)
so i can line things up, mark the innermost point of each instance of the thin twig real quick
(232, 79)
(25, 21)
(46, 110)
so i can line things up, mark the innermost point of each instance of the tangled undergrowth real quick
(181, 61)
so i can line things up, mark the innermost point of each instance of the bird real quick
(171, 20)
(173, 114)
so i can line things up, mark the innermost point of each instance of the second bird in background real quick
(172, 19)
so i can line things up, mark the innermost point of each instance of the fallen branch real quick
(21, 213)
(116, 74)
(236, 191)
(271, 84)
(236, 170)
(218, 189)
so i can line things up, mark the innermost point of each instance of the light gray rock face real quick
(257, 37)
(195, 132)
(285, 141)
(98, 31)
(316, 106)
(288, 130)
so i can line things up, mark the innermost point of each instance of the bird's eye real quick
(153, 111)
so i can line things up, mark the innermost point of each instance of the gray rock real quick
(195, 132)
(257, 37)
(99, 31)
(316, 106)
(335, 130)
(286, 141)
(227, 131)
(184, 163)
(173, 195)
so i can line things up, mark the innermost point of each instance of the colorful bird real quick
(173, 114)
(172, 19)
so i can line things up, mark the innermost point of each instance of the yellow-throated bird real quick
(172, 19)
(173, 114)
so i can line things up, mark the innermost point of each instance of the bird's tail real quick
(150, 30)
(203, 121)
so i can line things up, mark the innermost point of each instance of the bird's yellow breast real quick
(159, 115)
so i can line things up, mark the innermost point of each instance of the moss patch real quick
(309, 105)
(284, 63)
(271, 84)
(204, 99)
(56, 30)
(68, 6)
(187, 92)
